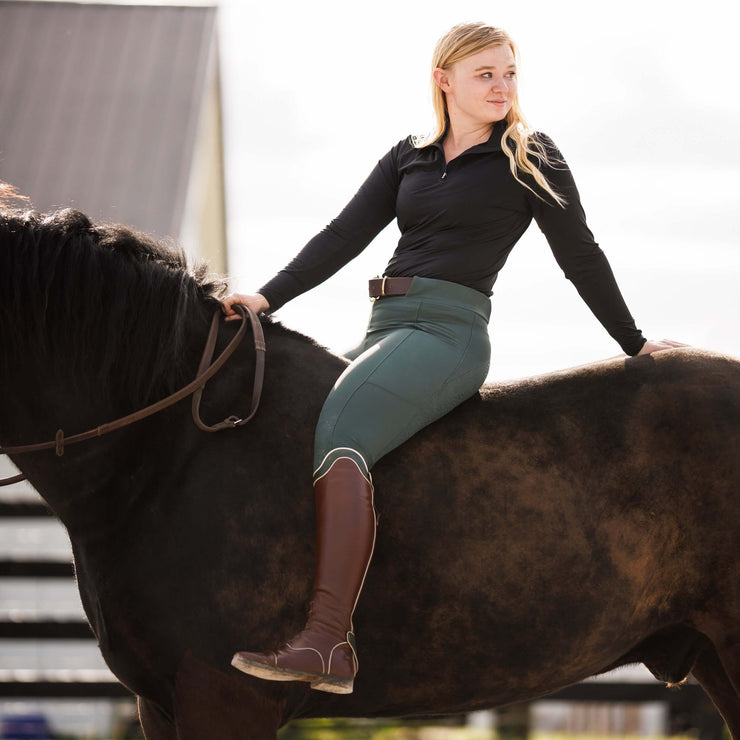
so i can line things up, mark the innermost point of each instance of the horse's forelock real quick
(98, 295)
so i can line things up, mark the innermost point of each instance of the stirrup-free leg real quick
(324, 652)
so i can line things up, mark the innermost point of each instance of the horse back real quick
(558, 522)
(647, 443)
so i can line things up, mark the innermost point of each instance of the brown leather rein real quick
(206, 370)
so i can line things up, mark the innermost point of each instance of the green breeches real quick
(423, 354)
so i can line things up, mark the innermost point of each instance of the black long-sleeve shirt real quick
(459, 221)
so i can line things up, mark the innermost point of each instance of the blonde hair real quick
(529, 152)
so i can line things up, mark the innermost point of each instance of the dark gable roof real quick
(99, 106)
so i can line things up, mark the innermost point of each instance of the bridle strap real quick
(259, 374)
(206, 371)
(12, 479)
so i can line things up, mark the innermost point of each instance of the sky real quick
(639, 96)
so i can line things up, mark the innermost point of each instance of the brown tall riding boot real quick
(324, 652)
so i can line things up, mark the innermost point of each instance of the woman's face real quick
(481, 88)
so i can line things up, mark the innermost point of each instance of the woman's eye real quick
(511, 75)
(486, 75)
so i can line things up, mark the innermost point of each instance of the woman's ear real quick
(441, 79)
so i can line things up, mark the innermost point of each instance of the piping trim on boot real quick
(331, 655)
(372, 549)
(365, 474)
(321, 657)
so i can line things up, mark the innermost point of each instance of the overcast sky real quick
(640, 96)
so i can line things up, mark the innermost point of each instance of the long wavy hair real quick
(525, 151)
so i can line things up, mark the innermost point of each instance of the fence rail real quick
(36, 569)
(63, 690)
(66, 629)
(24, 509)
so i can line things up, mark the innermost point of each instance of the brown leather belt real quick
(381, 287)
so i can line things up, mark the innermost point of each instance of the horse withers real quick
(545, 531)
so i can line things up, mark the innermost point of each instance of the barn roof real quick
(100, 106)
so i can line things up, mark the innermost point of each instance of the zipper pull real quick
(444, 174)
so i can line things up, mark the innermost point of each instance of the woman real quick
(462, 198)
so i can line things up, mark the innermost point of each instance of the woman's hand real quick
(257, 302)
(658, 345)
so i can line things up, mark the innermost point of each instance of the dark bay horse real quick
(545, 531)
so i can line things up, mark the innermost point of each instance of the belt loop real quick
(382, 286)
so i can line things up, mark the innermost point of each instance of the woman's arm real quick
(371, 209)
(578, 254)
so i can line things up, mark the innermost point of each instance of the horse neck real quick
(90, 486)
(102, 482)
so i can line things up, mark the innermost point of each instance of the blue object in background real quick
(25, 727)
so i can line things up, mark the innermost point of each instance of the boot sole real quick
(318, 681)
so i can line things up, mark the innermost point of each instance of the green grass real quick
(376, 730)
(359, 730)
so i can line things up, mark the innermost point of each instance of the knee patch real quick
(339, 452)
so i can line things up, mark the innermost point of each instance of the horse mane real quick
(101, 297)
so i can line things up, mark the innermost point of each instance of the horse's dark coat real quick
(545, 531)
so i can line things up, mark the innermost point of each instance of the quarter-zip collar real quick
(492, 145)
